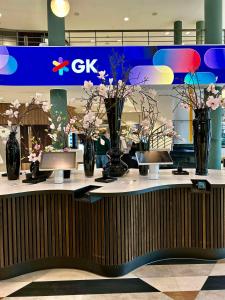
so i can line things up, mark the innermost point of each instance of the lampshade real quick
(60, 8)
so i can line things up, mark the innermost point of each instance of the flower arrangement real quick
(36, 150)
(152, 127)
(194, 97)
(17, 112)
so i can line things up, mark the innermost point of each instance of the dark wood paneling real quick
(109, 232)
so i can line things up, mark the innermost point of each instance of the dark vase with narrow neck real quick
(202, 136)
(13, 157)
(89, 157)
(143, 170)
(115, 167)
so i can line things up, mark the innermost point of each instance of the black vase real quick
(89, 157)
(115, 167)
(143, 170)
(36, 173)
(202, 135)
(13, 157)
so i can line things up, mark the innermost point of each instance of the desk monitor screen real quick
(58, 161)
(153, 157)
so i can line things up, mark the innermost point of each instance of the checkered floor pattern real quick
(180, 279)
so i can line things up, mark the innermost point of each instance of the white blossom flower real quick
(45, 106)
(16, 104)
(59, 119)
(9, 123)
(102, 75)
(88, 85)
(9, 112)
(59, 128)
(120, 82)
(16, 113)
(52, 126)
(102, 90)
(110, 81)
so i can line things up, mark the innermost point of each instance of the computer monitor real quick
(153, 158)
(58, 161)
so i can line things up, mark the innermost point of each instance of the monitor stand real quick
(153, 171)
(58, 176)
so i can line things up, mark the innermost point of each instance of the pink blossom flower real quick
(184, 105)
(37, 147)
(213, 103)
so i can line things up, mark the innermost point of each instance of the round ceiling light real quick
(60, 8)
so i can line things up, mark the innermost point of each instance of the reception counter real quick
(110, 228)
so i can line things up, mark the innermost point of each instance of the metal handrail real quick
(100, 37)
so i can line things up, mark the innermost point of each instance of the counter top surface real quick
(130, 183)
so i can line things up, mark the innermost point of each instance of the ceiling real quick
(104, 14)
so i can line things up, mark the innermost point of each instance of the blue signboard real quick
(62, 66)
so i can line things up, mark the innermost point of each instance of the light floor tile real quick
(173, 284)
(211, 295)
(218, 269)
(221, 261)
(29, 277)
(173, 270)
(134, 296)
(73, 274)
(7, 288)
(153, 271)
(191, 270)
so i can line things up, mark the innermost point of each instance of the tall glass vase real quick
(89, 157)
(115, 167)
(13, 157)
(202, 136)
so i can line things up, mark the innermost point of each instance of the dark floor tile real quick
(214, 283)
(181, 261)
(84, 287)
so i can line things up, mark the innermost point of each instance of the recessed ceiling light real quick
(187, 33)
(118, 40)
(126, 19)
(167, 33)
(92, 41)
(0, 15)
(183, 43)
(154, 14)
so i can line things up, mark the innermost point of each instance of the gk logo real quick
(79, 66)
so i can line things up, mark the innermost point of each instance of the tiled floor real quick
(174, 279)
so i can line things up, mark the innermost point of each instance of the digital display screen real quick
(58, 160)
(153, 157)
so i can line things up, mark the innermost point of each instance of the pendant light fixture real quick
(60, 8)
